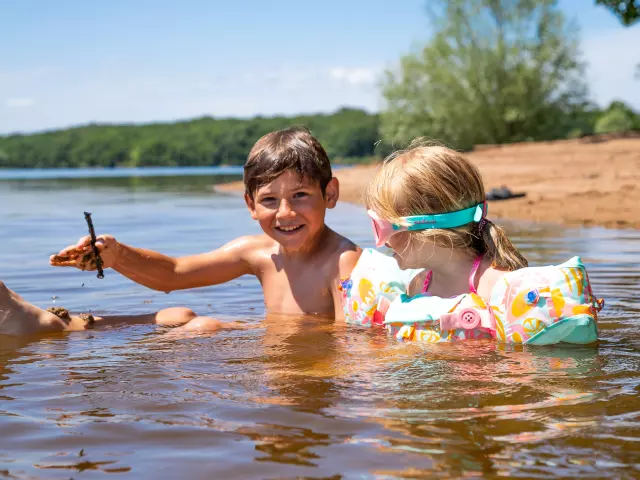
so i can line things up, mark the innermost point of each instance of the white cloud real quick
(20, 102)
(354, 76)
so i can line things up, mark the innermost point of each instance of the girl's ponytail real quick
(500, 249)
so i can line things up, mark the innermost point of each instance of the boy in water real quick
(298, 260)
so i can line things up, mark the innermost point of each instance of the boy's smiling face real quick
(291, 209)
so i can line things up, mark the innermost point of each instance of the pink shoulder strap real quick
(472, 275)
(427, 281)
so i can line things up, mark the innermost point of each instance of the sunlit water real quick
(298, 397)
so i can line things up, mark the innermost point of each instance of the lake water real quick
(102, 173)
(298, 397)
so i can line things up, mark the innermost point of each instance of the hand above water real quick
(81, 254)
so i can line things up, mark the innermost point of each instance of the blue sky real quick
(75, 62)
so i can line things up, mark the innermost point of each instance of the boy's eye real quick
(267, 199)
(300, 195)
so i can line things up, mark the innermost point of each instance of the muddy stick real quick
(92, 232)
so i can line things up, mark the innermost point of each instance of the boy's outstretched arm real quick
(158, 271)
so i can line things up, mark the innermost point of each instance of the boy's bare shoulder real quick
(339, 244)
(346, 252)
(253, 248)
(253, 243)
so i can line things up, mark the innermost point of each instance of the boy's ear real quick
(251, 205)
(332, 192)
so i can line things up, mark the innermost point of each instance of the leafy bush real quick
(614, 121)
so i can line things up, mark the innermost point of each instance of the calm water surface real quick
(298, 397)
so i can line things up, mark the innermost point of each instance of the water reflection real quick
(199, 183)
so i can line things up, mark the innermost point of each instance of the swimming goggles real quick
(384, 229)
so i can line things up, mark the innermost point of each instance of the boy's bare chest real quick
(297, 290)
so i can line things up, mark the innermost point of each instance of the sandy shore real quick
(573, 182)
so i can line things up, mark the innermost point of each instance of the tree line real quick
(349, 135)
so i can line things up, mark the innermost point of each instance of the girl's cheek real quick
(397, 242)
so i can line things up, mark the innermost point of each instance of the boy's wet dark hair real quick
(292, 149)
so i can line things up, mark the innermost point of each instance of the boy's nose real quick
(285, 210)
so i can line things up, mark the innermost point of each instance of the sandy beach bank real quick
(573, 182)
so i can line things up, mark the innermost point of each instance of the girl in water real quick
(427, 203)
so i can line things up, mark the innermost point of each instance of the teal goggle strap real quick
(445, 220)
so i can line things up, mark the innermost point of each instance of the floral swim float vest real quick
(533, 305)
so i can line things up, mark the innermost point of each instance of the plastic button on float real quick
(469, 319)
(532, 296)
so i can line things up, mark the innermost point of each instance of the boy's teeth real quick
(288, 229)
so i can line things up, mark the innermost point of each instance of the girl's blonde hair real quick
(428, 178)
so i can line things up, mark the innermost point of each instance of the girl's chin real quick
(398, 259)
(402, 263)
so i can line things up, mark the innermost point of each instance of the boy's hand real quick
(81, 255)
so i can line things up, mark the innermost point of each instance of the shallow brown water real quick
(296, 397)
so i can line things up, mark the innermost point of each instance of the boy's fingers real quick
(70, 251)
(64, 263)
(83, 242)
(75, 263)
(62, 258)
(74, 257)
(80, 255)
(100, 243)
(83, 246)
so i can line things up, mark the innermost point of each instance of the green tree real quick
(614, 122)
(627, 11)
(494, 71)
